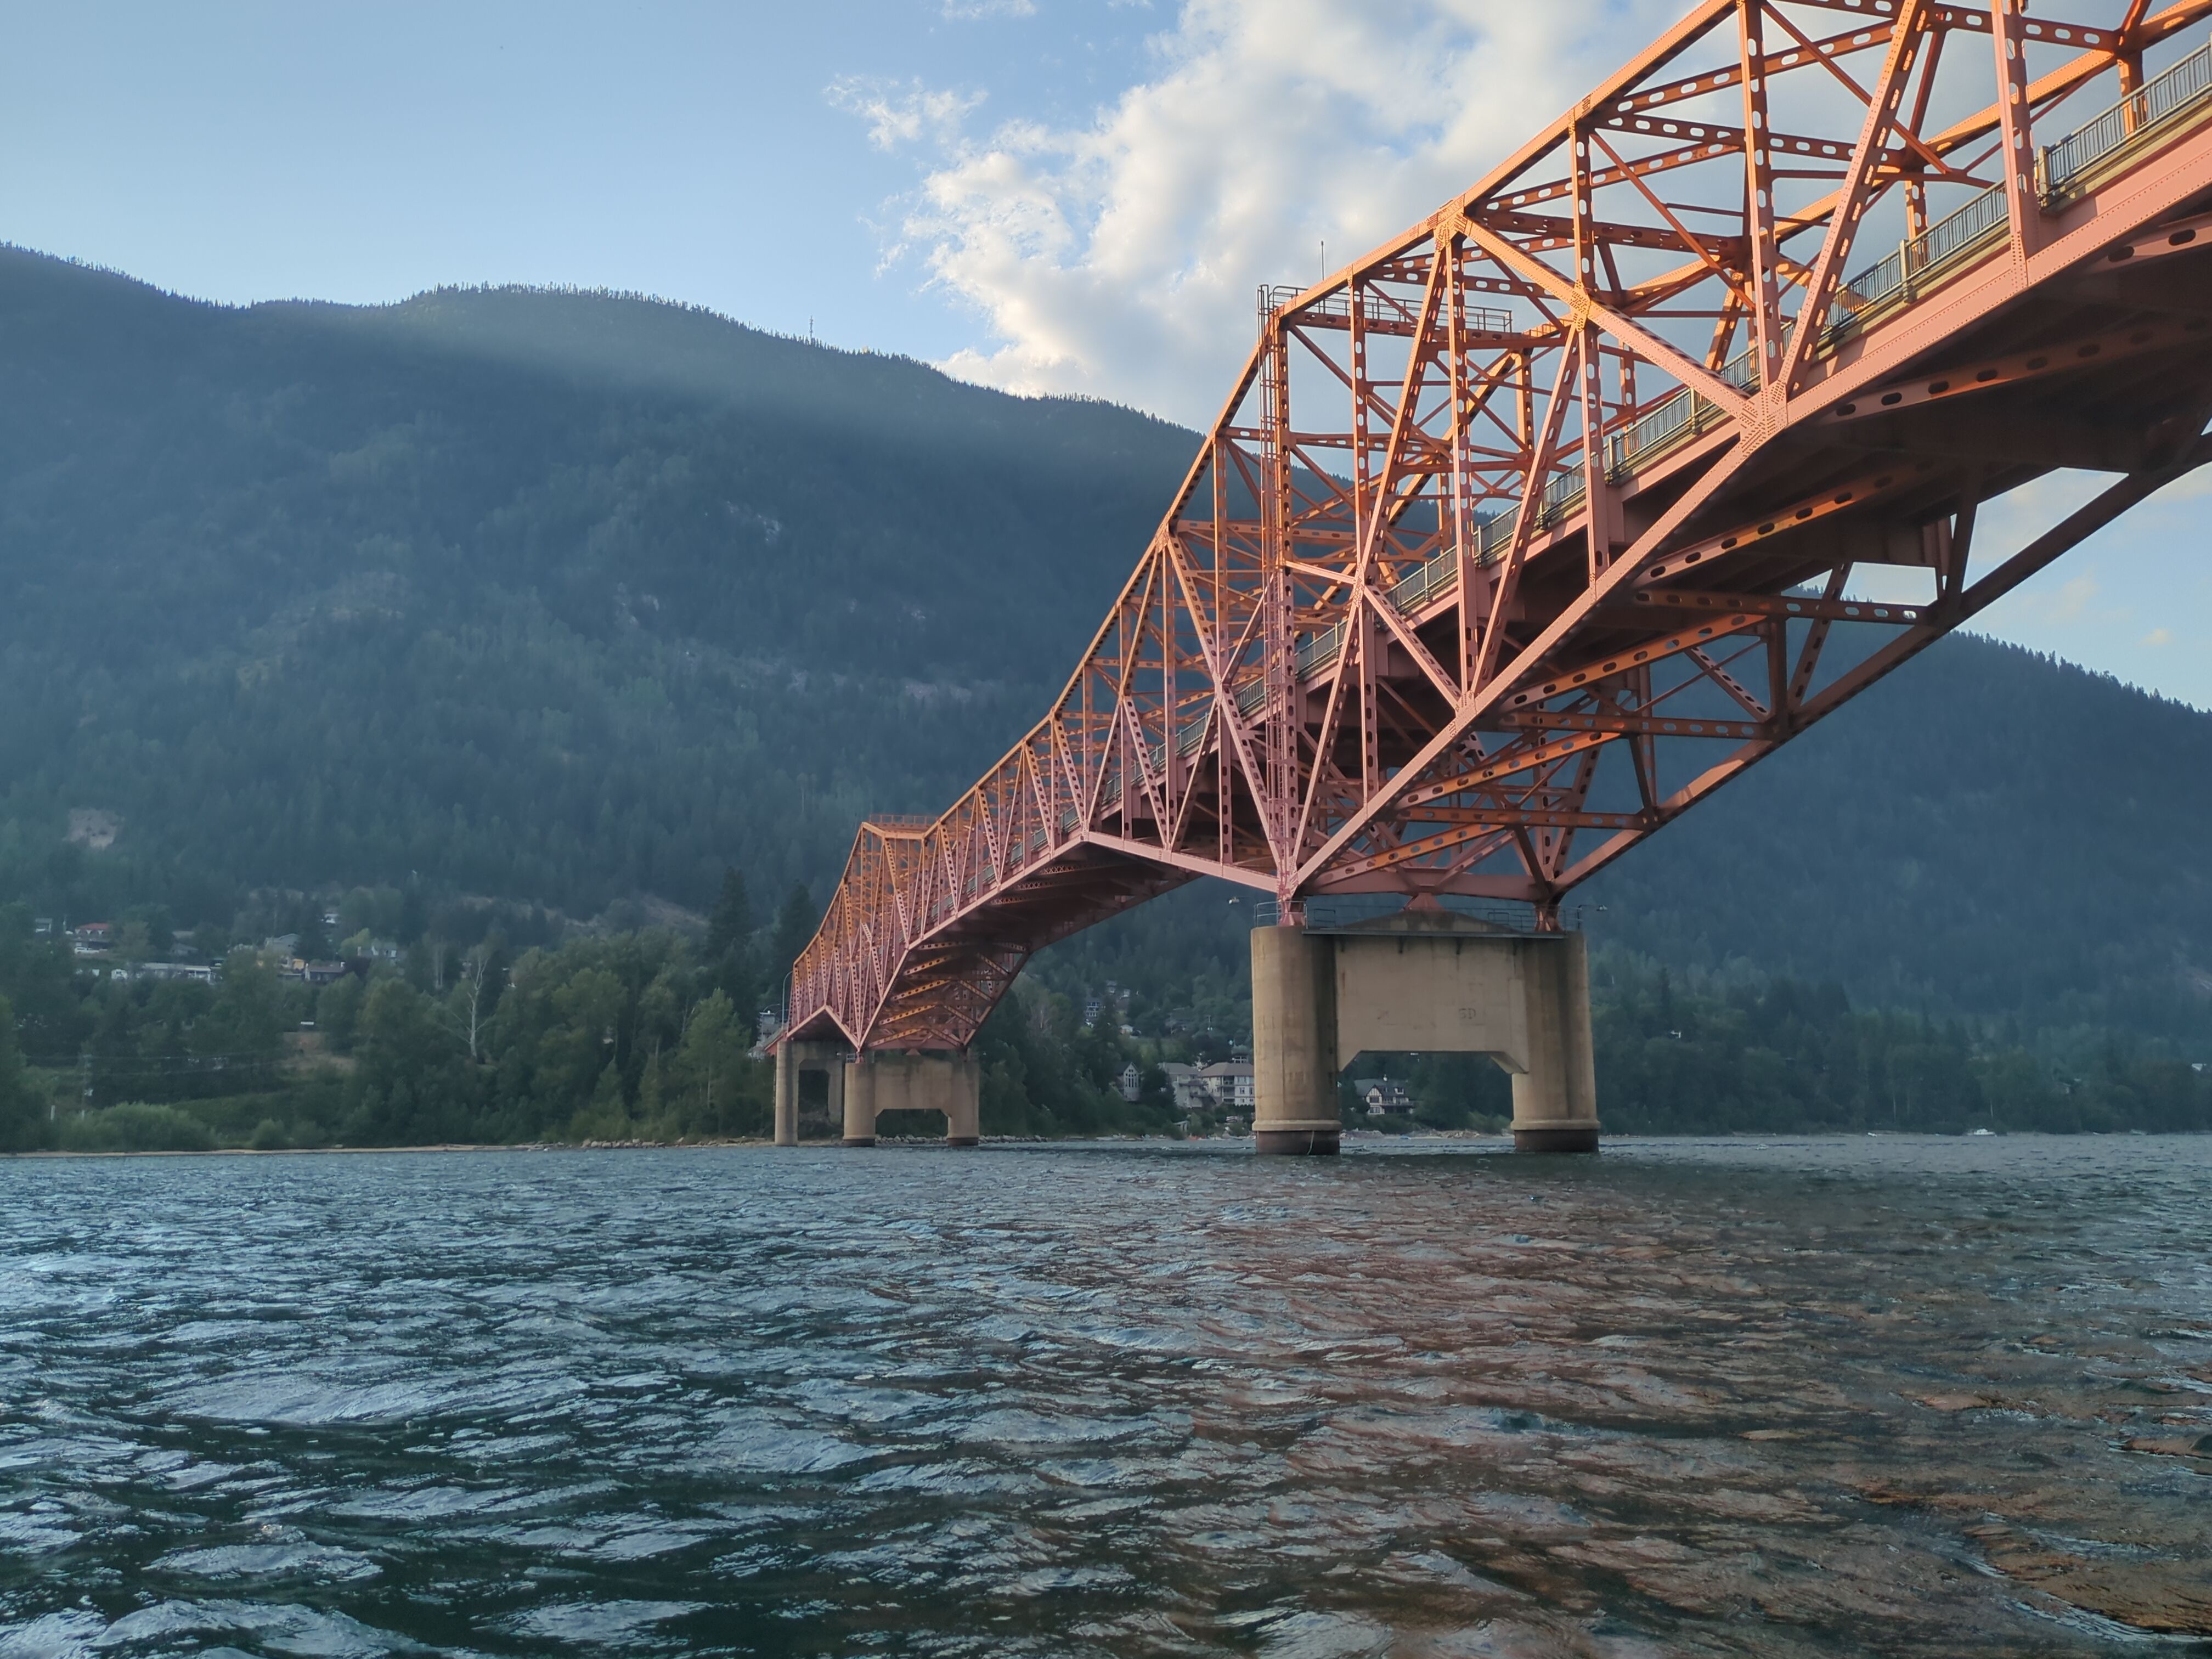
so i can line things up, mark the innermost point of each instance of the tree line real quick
(639, 1035)
(1783, 1056)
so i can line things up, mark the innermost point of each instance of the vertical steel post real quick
(1765, 297)
(2008, 32)
(1279, 797)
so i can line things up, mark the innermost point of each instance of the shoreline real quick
(1466, 1137)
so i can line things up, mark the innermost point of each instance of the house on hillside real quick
(199, 970)
(93, 939)
(1228, 1083)
(1132, 1081)
(1185, 1087)
(1382, 1096)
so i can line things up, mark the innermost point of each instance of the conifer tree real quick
(794, 926)
(20, 1128)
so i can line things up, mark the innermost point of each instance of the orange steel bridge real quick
(1526, 530)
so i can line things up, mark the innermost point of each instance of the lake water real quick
(1800, 1397)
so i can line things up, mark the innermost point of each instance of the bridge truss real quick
(1528, 529)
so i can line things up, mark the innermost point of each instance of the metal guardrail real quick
(2142, 111)
(1673, 419)
(1336, 307)
(1898, 276)
(2140, 115)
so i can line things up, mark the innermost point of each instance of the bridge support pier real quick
(889, 1081)
(859, 1114)
(1427, 982)
(793, 1057)
(786, 1097)
(1294, 1052)
(1555, 1096)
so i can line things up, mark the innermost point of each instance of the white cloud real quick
(2158, 637)
(900, 114)
(1119, 257)
(969, 10)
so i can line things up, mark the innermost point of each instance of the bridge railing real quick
(2142, 113)
(1895, 280)
(2065, 167)
(1334, 308)
(1677, 417)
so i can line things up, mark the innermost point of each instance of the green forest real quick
(642, 1037)
(505, 625)
(613, 1037)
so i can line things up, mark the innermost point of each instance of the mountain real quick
(547, 597)
(569, 601)
(1987, 832)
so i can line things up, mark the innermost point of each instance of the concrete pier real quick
(794, 1057)
(1294, 1042)
(786, 1097)
(860, 1112)
(1423, 982)
(892, 1081)
(1555, 1092)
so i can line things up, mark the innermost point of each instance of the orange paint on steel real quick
(1570, 460)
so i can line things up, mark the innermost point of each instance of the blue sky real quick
(1069, 195)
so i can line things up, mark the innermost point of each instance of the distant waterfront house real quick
(92, 939)
(1382, 1096)
(199, 970)
(1132, 1081)
(1185, 1086)
(283, 946)
(1228, 1082)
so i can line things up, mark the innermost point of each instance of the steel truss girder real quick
(1552, 516)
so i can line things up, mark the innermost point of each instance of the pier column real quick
(964, 1104)
(787, 1095)
(1555, 1098)
(859, 1079)
(1294, 1060)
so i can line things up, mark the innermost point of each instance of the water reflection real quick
(1813, 1397)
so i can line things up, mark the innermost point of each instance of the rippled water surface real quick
(1894, 1395)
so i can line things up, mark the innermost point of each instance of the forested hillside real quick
(570, 601)
(555, 597)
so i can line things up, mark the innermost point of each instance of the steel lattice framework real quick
(1527, 531)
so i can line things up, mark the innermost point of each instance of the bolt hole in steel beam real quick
(1492, 462)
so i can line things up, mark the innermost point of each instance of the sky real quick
(1075, 196)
